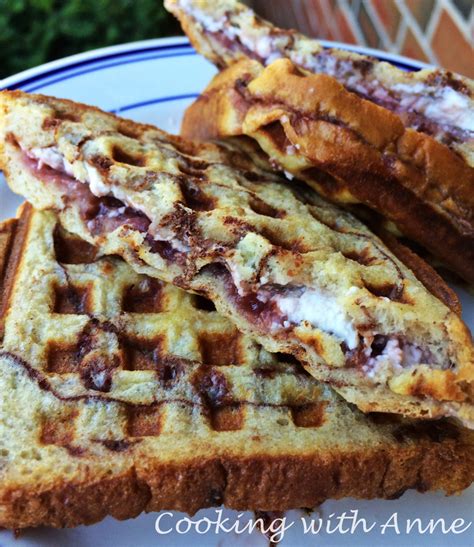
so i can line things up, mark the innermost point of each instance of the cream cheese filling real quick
(394, 356)
(321, 311)
(51, 157)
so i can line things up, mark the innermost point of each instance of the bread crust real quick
(259, 483)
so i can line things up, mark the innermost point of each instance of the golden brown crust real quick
(259, 483)
(348, 149)
(12, 238)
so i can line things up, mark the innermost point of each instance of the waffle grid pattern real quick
(131, 357)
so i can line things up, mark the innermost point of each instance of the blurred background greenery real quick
(35, 31)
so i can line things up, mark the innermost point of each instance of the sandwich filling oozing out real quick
(272, 308)
(439, 107)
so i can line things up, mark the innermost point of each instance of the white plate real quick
(153, 81)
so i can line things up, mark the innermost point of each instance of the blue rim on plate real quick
(33, 80)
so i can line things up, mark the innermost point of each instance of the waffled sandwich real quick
(359, 131)
(123, 394)
(297, 274)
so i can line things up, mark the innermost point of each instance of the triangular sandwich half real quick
(299, 275)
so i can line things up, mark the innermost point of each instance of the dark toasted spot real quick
(227, 418)
(263, 208)
(309, 415)
(437, 431)
(63, 359)
(278, 239)
(287, 358)
(220, 349)
(116, 446)
(202, 303)
(277, 134)
(215, 498)
(143, 297)
(388, 290)
(195, 198)
(140, 353)
(363, 257)
(144, 421)
(68, 115)
(170, 369)
(329, 185)
(265, 372)
(129, 130)
(50, 123)
(71, 299)
(122, 156)
(72, 250)
(103, 163)
(58, 430)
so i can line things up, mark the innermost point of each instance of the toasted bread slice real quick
(349, 149)
(432, 101)
(296, 273)
(122, 394)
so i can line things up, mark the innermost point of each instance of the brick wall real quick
(435, 31)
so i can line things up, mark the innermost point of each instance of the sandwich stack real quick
(183, 326)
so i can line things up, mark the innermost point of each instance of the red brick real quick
(345, 28)
(313, 22)
(368, 29)
(321, 28)
(389, 16)
(412, 48)
(422, 10)
(451, 48)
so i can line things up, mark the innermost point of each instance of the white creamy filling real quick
(52, 158)
(320, 310)
(396, 357)
(392, 355)
(315, 307)
(446, 106)
(210, 22)
(453, 108)
(96, 184)
(100, 189)
(265, 46)
(114, 213)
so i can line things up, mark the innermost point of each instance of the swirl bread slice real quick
(122, 394)
(357, 130)
(296, 273)
(433, 101)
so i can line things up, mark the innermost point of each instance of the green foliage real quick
(35, 31)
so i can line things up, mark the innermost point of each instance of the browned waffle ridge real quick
(141, 397)
(259, 248)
